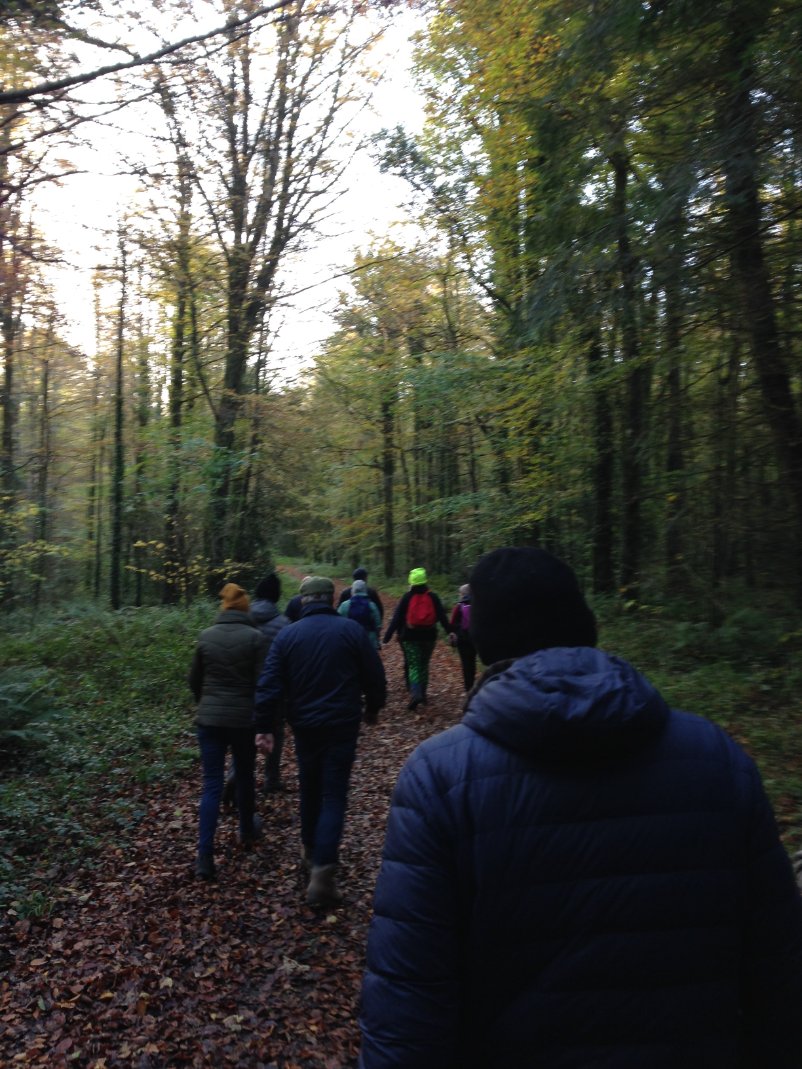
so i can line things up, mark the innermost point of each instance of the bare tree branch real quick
(21, 96)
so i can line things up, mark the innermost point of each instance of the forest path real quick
(142, 965)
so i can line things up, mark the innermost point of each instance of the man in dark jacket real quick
(576, 874)
(222, 678)
(321, 667)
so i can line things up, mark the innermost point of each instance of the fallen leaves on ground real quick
(143, 965)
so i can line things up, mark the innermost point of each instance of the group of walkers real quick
(575, 874)
(316, 667)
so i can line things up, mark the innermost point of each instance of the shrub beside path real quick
(141, 965)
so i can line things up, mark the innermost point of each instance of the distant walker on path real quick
(361, 575)
(415, 621)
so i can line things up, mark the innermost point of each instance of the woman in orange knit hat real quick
(227, 661)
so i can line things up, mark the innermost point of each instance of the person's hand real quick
(264, 743)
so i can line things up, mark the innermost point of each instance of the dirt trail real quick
(142, 965)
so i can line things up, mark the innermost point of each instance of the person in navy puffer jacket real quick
(320, 670)
(577, 876)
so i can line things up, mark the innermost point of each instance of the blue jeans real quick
(324, 770)
(214, 743)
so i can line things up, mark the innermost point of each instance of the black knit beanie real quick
(269, 588)
(360, 573)
(522, 600)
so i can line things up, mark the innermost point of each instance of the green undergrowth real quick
(745, 673)
(111, 715)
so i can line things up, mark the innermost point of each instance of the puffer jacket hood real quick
(576, 705)
(262, 611)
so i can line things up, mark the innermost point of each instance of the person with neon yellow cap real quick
(415, 622)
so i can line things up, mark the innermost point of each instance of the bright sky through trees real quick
(82, 213)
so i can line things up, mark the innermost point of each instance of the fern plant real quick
(27, 712)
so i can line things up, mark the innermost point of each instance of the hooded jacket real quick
(578, 876)
(268, 619)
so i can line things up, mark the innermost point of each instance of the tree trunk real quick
(118, 470)
(388, 484)
(670, 233)
(602, 552)
(637, 379)
(11, 294)
(43, 467)
(738, 123)
(171, 592)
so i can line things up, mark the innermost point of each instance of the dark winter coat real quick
(398, 623)
(322, 666)
(457, 627)
(267, 618)
(224, 670)
(292, 610)
(577, 876)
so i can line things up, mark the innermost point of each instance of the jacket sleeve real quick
(773, 953)
(195, 677)
(261, 648)
(373, 680)
(269, 689)
(397, 618)
(410, 1008)
(377, 601)
(442, 619)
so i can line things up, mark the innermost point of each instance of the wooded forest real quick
(596, 345)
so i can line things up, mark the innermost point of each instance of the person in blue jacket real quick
(320, 669)
(577, 875)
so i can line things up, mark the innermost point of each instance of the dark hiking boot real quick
(204, 866)
(249, 841)
(322, 890)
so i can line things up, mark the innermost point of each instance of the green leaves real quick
(27, 712)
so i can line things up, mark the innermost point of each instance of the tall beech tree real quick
(259, 122)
